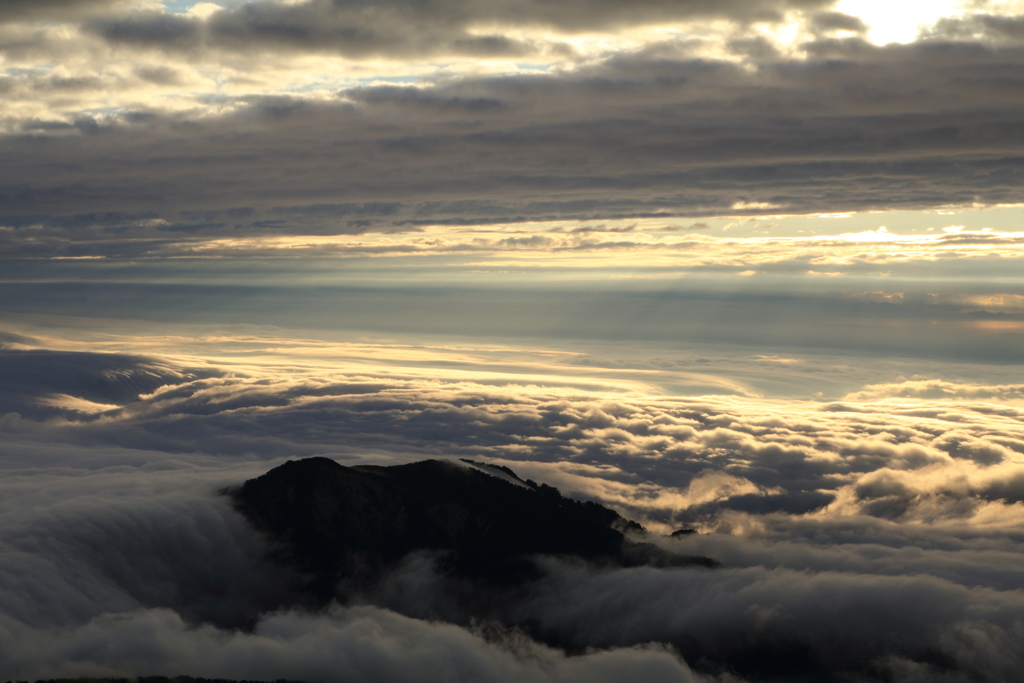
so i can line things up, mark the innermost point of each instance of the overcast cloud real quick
(678, 124)
(854, 127)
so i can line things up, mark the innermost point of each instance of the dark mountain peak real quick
(498, 470)
(345, 527)
(682, 533)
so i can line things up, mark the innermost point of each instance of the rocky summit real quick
(348, 526)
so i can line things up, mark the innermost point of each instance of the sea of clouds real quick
(873, 538)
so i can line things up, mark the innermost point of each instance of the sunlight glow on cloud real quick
(651, 245)
(745, 270)
(898, 22)
(203, 10)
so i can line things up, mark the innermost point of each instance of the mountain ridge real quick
(344, 528)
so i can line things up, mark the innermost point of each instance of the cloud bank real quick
(678, 136)
(881, 539)
(251, 126)
(397, 28)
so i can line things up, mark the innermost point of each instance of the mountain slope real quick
(348, 526)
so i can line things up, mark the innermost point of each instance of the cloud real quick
(152, 28)
(837, 21)
(21, 10)
(988, 27)
(42, 382)
(938, 389)
(832, 132)
(361, 644)
(124, 560)
(665, 460)
(173, 172)
(793, 623)
(84, 543)
(399, 28)
(705, 308)
(10, 340)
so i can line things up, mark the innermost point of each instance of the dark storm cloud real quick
(852, 127)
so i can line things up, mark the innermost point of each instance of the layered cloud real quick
(125, 560)
(675, 134)
(363, 644)
(666, 460)
(400, 29)
(682, 121)
(41, 383)
(938, 389)
(628, 251)
(21, 10)
(657, 246)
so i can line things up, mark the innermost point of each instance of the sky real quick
(752, 267)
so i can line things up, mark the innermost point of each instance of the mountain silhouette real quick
(343, 528)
